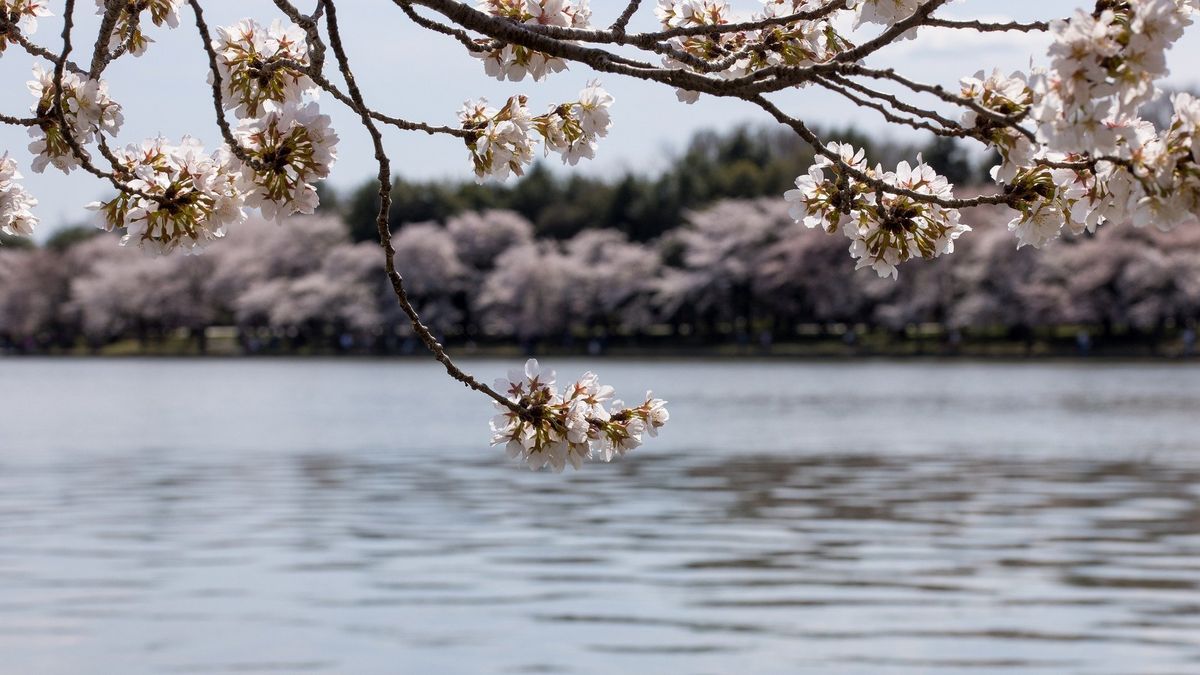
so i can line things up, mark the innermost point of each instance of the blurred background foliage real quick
(701, 257)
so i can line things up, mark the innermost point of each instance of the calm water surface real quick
(348, 517)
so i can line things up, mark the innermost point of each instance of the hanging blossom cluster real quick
(1000, 98)
(885, 228)
(514, 62)
(16, 215)
(582, 422)
(736, 54)
(286, 144)
(182, 197)
(87, 109)
(128, 33)
(23, 14)
(1103, 67)
(501, 142)
(1085, 157)
(179, 196)
(258, 66)
(1095, 159)
(289, 150)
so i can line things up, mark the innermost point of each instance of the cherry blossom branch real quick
(843, 86)
(35, 50)
(438, 27)
(821, 149)
(618, 26)
(101, 56)
(19, 121)
(59, 113)
(217, 97)
(539, 38)
(650, 39)
(986, 27)
(401, 124)
(940, 92)
(384, 229)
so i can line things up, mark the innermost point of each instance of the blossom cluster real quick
(884, 12)
(23, 14)
(179, 196)
(501, 141)
(128, 33)
(16, 217)
(1074, 152)
(87, 109)
(514, 62)
(1103, 67)
(288, 149)
(885, 227)
(1000, 98)
(258, 65)
(580, 423)
(285, 143)
(739, 53)
(1095, 160)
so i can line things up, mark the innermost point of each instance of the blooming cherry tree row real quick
(1075, 149)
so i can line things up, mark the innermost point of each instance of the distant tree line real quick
(583, 264)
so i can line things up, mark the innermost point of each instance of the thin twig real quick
(385, 231)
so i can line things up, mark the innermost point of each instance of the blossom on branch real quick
(580, 423)
(87, 109)
(289, 149)
(184, 200)
(259, 65)
(740, 53)
(885, 12)
(885, 228)
(127, 33)
(571, 129)
(16, 216)
(1103, 67)
(1009, 97)
(501, 144)
(23, 14)
(514, 62)
(501, 141)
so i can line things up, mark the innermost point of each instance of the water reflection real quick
(382, 561)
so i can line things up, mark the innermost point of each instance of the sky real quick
(418, 75)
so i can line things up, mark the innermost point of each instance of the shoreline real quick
(698, 355)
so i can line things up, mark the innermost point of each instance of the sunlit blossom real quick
(569, 427)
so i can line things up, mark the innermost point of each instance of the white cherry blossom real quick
(87, 109)
(184, 197)
(257, 65)
(128, 33)
(291, 148)
(580, 423)
(16, 204)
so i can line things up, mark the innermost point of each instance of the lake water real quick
(278, 516)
